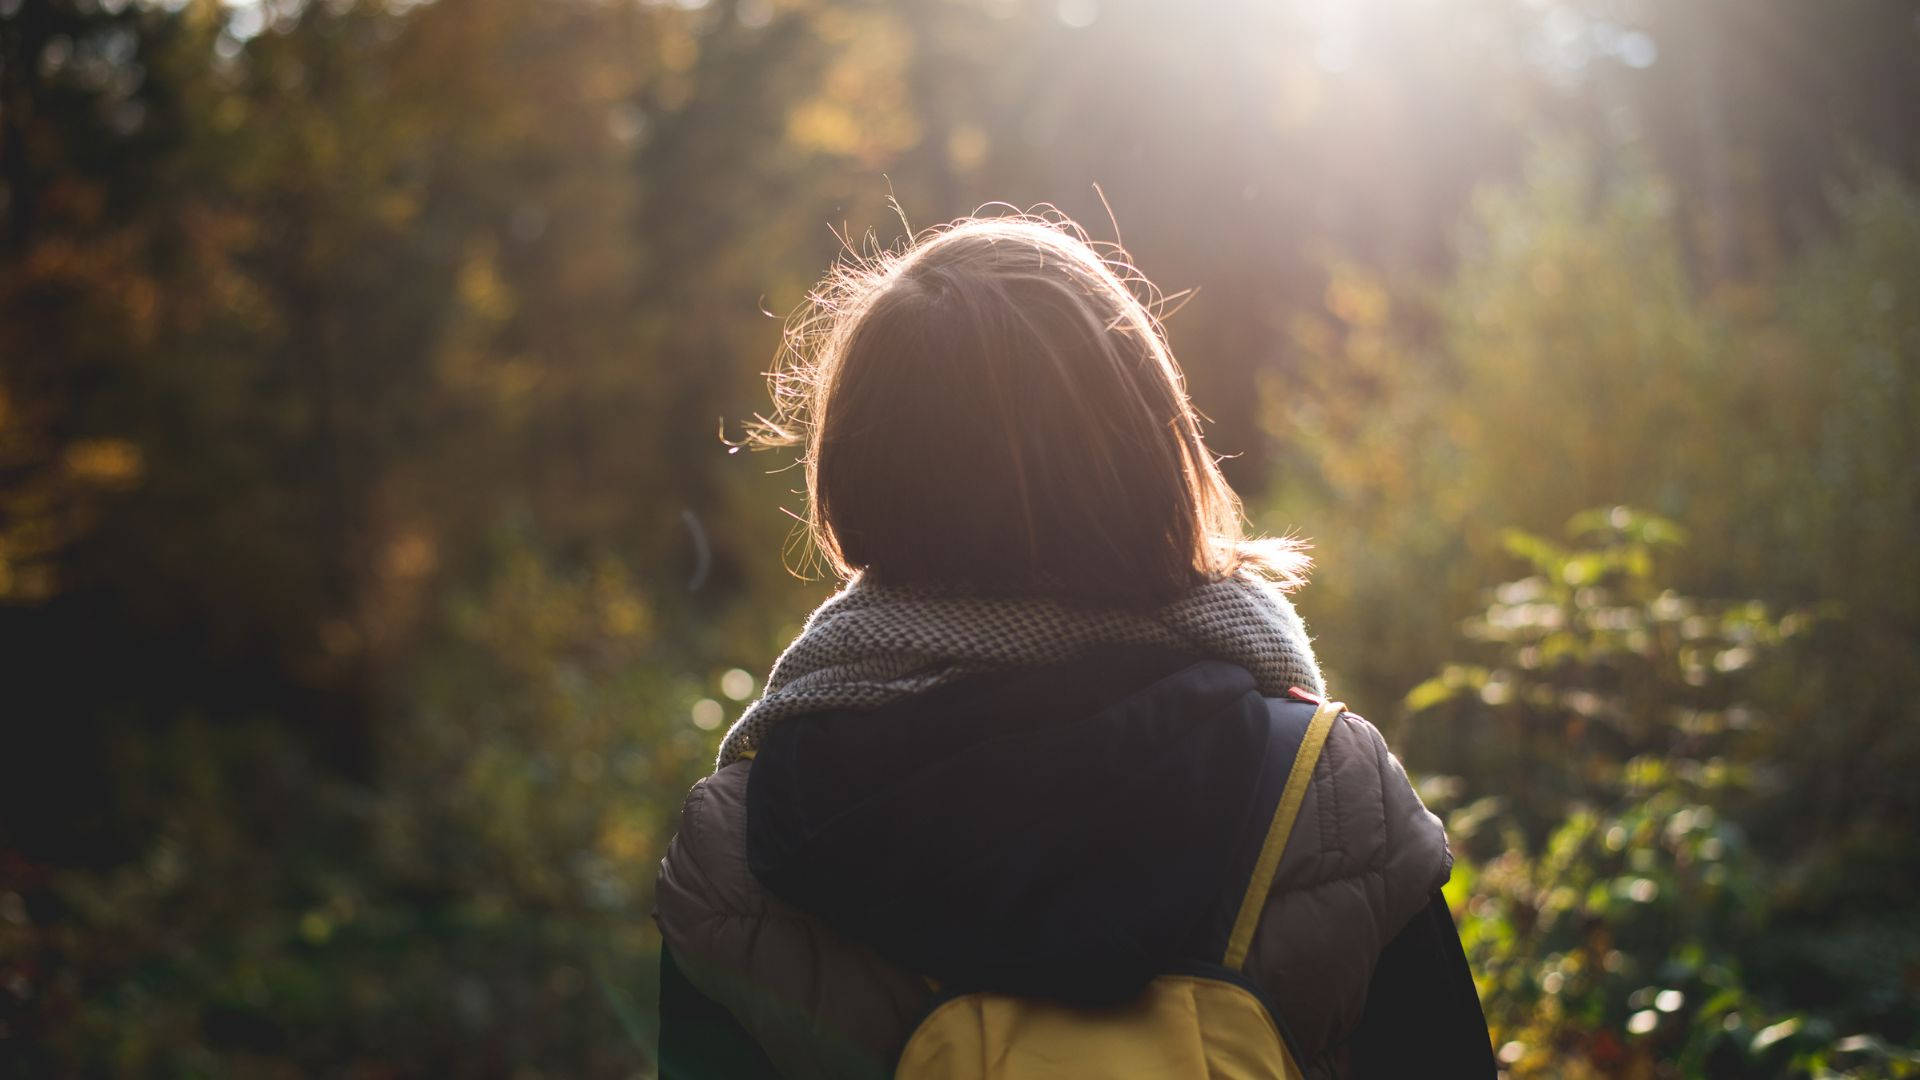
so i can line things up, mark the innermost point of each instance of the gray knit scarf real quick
(870, 644)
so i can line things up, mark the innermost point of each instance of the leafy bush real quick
(1608, 896)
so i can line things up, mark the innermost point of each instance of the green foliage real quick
(483, 897)
(1571, 361)
(1608, 896)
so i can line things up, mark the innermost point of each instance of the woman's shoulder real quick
(1363, 860)
(1369, 819)
(818, 1004)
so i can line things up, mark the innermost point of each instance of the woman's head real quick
(994, 407)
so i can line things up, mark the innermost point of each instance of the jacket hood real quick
(1066, 832)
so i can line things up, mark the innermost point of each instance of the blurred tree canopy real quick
(373, 582)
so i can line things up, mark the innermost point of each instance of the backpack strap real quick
(1255, 901)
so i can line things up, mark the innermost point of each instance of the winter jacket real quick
(1069, 832)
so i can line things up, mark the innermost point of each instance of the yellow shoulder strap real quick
(1276, 843)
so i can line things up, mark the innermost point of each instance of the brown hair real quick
(992, 406)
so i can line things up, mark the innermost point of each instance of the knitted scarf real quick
(870, 644)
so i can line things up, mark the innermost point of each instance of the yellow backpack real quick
(1205, 1020)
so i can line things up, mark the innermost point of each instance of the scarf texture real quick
(872, 644)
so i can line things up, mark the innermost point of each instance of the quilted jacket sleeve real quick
(818, 1005)
(1423, 1013)
(1364, 857)
(699, 1038)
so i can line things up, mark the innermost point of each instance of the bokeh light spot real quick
(737, 684)
(707, 714)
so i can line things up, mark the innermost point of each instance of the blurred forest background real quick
(373, 580)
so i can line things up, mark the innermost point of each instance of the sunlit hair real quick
(995, 406)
